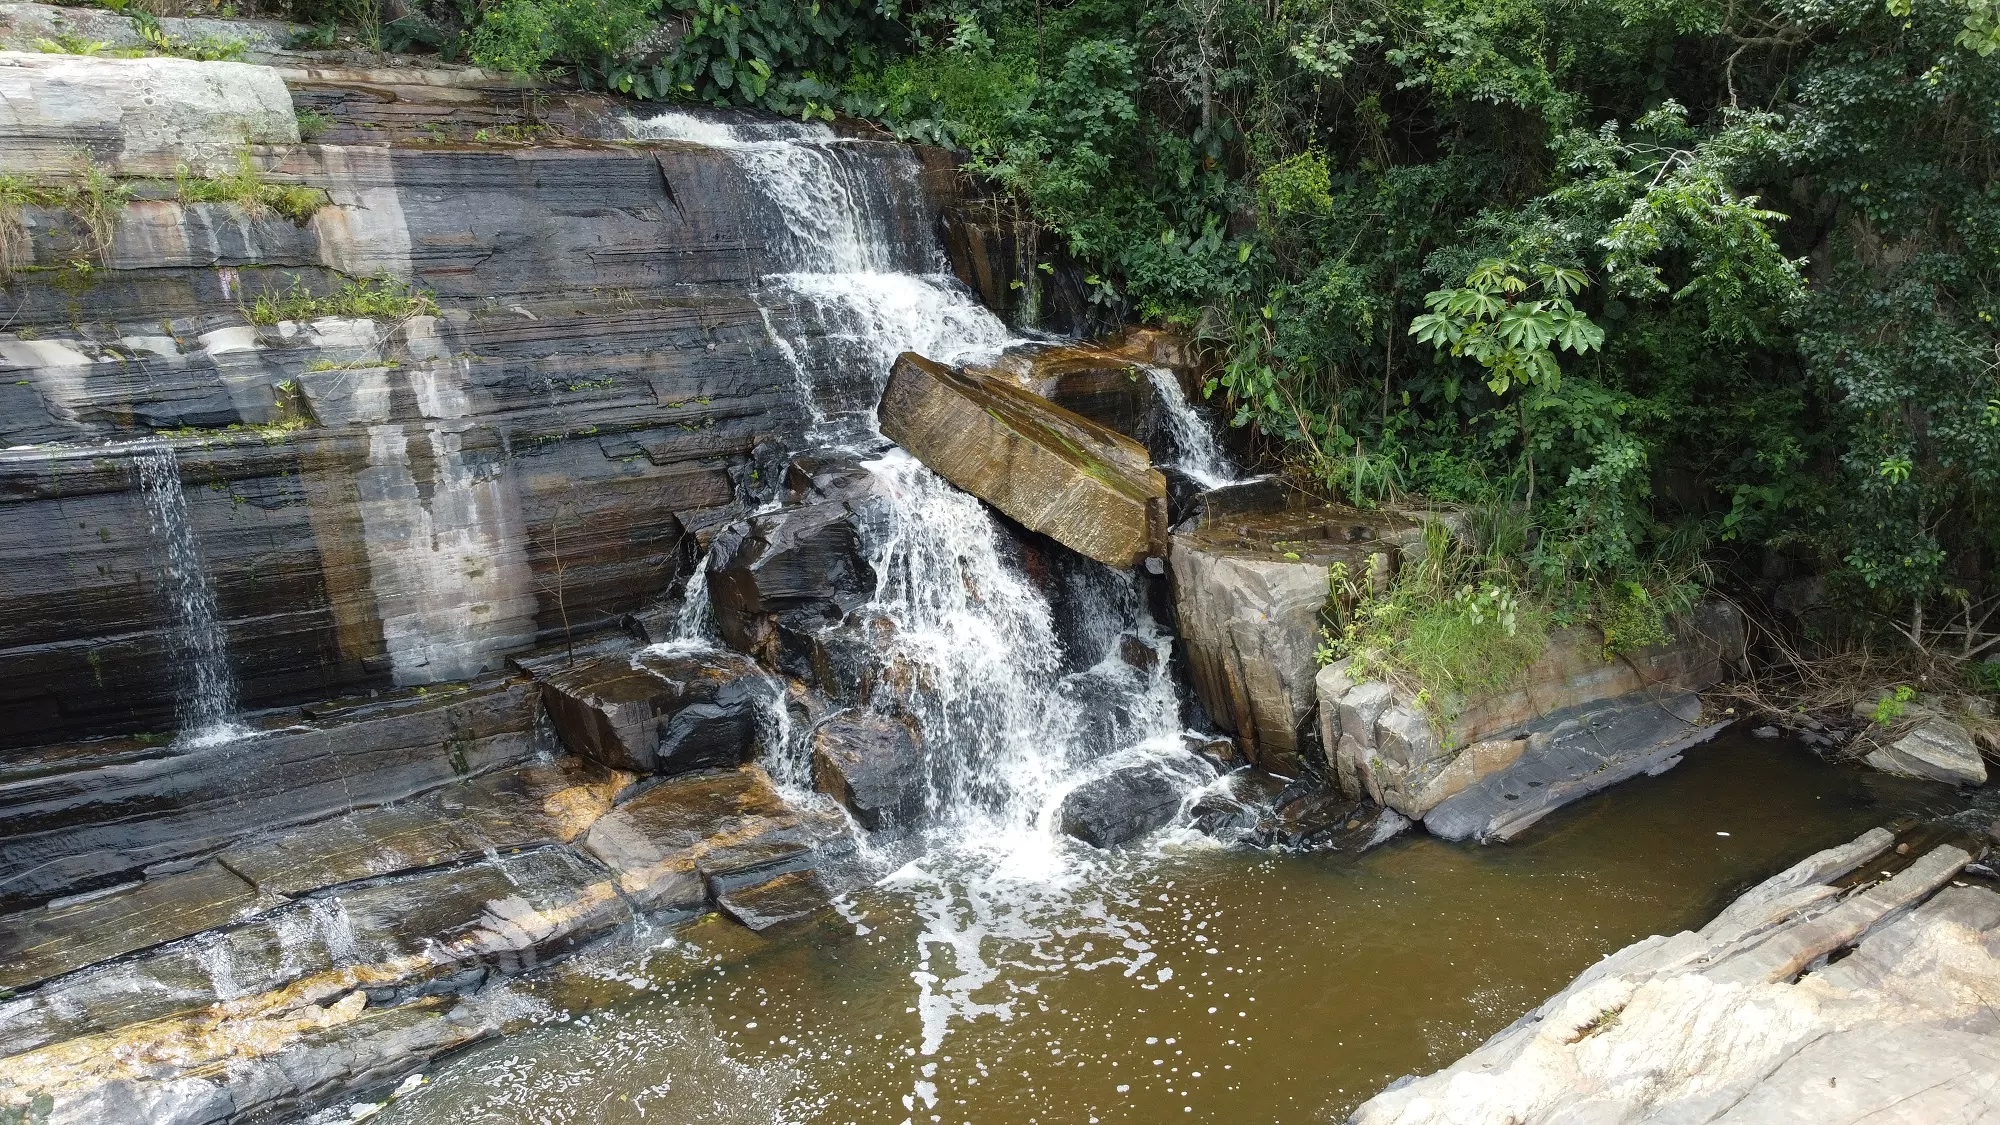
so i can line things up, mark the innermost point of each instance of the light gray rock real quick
(141, 117)
(1938, 750)
(1666, 1031)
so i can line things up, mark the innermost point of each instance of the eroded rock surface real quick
(1717, 1026)
(873, 764)
(1937, 750)
(660, 711)
(1084, 485)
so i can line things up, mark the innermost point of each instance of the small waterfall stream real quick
(1197, 452)
(206, 704)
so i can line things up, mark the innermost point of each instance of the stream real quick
(1179, 982)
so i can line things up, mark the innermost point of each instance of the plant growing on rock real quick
(248, 189)
(379, 298)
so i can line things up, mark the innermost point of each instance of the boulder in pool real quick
(1131, 801)
(1082, 484)
(1938, 750)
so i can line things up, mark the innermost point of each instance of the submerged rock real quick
(1937, 750)
(660, 713)
(1084, 485)
(874, 765)
(1131, 801)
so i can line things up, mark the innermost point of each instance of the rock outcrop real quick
(1132, 800)
(1719, 1026)
(1937, 750)
(1575, 722)
(1249, 589)
(1088, 487)
(494, 378)
(661, 711)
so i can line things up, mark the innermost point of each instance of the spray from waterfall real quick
(205, 704)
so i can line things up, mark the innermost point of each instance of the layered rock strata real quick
(1822, 994)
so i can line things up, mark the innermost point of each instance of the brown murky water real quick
(1179, 984)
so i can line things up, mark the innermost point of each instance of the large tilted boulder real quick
(660, 712)
(1085, 486)
(1248, 592)
(1751, 1020)
(1573, 723)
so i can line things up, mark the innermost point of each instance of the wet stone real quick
(787, 897)
(779, 579)
(874, 765)
(654, 713)
(1131, 801)
(666, 844)
(36, 945)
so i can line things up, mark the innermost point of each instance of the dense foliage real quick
(1672, 280)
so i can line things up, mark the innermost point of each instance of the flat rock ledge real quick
(1816, 997)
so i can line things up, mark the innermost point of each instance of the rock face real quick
(1085, 486)
(658, 712)
(1574, 724)
(781, 579)
(873, 764)
(387, 500)
(1717, 1026)
(1088, 379)
(1248, 593)
(1937, 750)
(1130, 801)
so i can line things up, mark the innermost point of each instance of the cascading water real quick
(206, 703)
(1013, 711)
(1196, 452)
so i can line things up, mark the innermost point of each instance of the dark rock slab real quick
(779, 579)
(1571, 754)
(1082, 484)
(660, 712)
(39, 944)
(103, 815)
(873, 764)
(667, 845)
(788, 897)
(1131, 801)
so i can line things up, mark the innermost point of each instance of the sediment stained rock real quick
(1085, 486)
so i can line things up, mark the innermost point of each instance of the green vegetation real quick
(375, 298)
(153, 41)
(90, 195)
(248, 189)
(313, 125)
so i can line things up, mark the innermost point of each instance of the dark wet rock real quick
(1219, 750)
(40, 944)
(1087, 379)
(1228, 818)
(95, 814)
(668, 845)
(1084, 485)
(1570, 754)
(788, 897)
(660, 713)
(1130, 801)
(874, 764)
(780, 579)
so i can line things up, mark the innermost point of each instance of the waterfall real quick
(206, 701)
(1015, 702)
(1196, 452)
